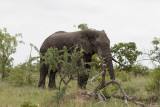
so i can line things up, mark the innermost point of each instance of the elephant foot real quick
(52, 86)
(41, 85)
(82, 87)
(82, 81)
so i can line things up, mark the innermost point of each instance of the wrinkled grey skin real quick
(90, 40)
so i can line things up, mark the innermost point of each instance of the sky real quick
(123, 20)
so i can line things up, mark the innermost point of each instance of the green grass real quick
(11, 96)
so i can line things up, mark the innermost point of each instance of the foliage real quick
(140, 69)
(60, 94)
(154, 54)
(106, 94)
(95, 68)
(131, 89)
(123, 76)
(20, 77)
(31, 67)
(83, 26)
(28, 104)
(68, 62)
(153, 86)
(126, 53)
(8, 46)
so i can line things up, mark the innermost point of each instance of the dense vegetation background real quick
(18, 85)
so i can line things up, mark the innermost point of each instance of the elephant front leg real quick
(82, 76)
(82, 80)
(52, 80)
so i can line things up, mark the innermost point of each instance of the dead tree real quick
(104, 84)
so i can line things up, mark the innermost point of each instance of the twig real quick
(96, 76)
(115, 60)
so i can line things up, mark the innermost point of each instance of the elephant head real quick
(98, 42)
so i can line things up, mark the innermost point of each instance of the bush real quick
(131, 89)
(28, 104)
(60, 95)
(20, 77)
(153, 86)
(123, 76)
(140, 69)
(106, 94)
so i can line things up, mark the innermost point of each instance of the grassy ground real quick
(11, 96)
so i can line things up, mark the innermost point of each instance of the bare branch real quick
(129, 99)
(96, 76)
(125, 97)
(115, 60)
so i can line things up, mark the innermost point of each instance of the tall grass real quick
(11, 96)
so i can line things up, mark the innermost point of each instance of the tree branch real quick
(115, 60)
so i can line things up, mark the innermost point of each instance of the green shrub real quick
(123, 76)
(60, 95)
(28, 104)
(140, 69)
(153, 85)
(106, 94)
(16, 78)
(20, 77)
(131, 89)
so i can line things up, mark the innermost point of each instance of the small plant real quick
(28, 104)
(106, 94)
(60, 95)
(123, 76)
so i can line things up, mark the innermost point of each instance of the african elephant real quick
(91, 41)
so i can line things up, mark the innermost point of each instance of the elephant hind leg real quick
(52, 81)
(43, 74)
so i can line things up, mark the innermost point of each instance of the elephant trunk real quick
(110, 67)
(108, 60)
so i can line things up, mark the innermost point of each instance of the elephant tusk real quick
(115, 60)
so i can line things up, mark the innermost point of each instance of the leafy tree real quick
(126, 53)
(154, 54)
(8, 46)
